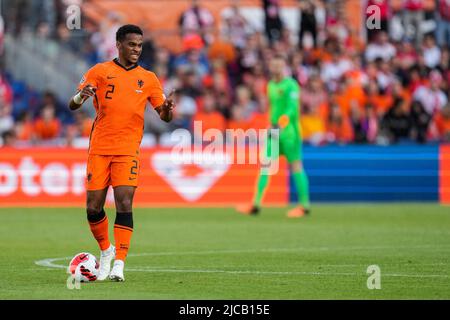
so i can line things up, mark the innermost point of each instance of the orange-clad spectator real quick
(349, 94)
(47, 126)
(83, 124)
(209, 117)
(260, 118)
(221, 49)
(312, 127)
(380, 102)
(24, 127)
(325, 54)
(442, 121)
(353, 43)
(80, 129)
(259, 80)
(339, 128)
(238, 119)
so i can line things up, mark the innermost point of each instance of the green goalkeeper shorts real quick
(290, 147)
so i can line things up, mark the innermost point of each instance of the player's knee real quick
(124, 205)
(93, 207)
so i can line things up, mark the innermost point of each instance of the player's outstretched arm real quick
(165, 110)
(82, 95)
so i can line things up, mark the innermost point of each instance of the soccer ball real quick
(84, 267)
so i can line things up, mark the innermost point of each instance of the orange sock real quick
(98, 222)
(123, 230)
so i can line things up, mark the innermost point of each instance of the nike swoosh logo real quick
(108, 77)
(131, 178)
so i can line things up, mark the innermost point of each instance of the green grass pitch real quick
(212, 253)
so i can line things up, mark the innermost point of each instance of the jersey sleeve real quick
(90, 77)
(156, 94)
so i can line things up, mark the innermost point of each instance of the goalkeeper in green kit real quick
(284, 94)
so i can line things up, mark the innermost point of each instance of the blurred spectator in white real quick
(380, 48)
(385, 76)
(42, 15)
(272, 19)
(244, 101)
(249, 55)
(413, 16)
(236, 27)
(6, 97)
(2, 34)
(6, 119)
(332, 71)
(430, 95)
(443, 23)
(197, 20)
(407, 55)
(308, 22)
(431, 52)
(313, 95)
(300, 71)
(385, 14)
(335, 24)
(105, 39)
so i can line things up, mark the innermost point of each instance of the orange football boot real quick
(248, 209)
(297, 212)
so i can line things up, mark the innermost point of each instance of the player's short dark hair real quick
(126, 29)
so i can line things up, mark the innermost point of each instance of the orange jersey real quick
(120, 100)
(47, 130)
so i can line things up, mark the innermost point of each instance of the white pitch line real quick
(50, 263)
(276, 250)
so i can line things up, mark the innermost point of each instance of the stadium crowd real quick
(392, 87)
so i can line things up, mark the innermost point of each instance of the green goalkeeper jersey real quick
(284, 100)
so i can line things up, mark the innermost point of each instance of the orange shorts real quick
(103, 171)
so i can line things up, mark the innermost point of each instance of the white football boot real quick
(117, 271)
(106, 256)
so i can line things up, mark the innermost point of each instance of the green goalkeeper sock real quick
(302, 185)
(263, 180)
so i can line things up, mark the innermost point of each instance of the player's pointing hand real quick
(88, 91)
(169, 103)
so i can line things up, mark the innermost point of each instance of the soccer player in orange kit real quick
(120, 90)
